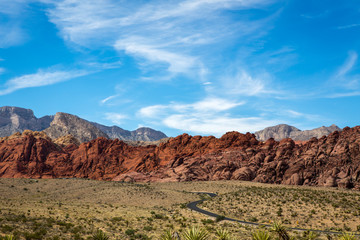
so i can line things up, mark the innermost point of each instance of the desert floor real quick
(76, 208)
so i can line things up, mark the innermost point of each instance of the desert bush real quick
(8, 237)
(170, 235)
(222, 234)
(261, 234)
(310, 235)
(280, 230)
(196, 234)
(99, 235)
(347, 236)
(219, 218)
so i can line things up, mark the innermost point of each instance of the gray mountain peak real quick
(15, 119)
(282, 131)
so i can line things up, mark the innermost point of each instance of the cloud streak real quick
(348, 65)
(348, 26)
(172, 36)
(40, 78)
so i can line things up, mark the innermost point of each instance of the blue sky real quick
(197, 66)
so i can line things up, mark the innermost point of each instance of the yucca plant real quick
(310, 235)
(280, 230)
(222, 234)
(170, 235)
(99, 235)
(9, 237)
(196, 234)
(261, 234)
(347, 236)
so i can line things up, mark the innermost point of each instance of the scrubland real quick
(77, 208)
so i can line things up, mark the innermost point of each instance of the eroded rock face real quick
(329, 161)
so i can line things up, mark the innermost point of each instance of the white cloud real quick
(2, 70)
(216, 125)
(41, 78)
(105, 100)
(343, 77)
(11, 31)
(348, 26)
(242, 83)
(344, 94)
(208, 105)
(176, 34)
(348, 65)
(154, 111)
(209, 116)
(178, 63)
(115, 118)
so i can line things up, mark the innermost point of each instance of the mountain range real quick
(66, 145)
(282, 131)
(15, 119)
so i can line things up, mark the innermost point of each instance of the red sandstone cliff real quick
(329, 161)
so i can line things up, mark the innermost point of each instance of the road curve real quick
(193, 206)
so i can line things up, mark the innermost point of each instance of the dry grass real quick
(76, 208)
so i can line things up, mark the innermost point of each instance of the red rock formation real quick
(329, 161)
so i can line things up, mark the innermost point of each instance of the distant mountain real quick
(70, 128)
(15, 119)
(68, 124)
(140, 134)
(282, 131)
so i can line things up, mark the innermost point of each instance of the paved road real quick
(193, 206)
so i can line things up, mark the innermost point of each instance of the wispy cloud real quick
(344, 77)
(348, 26)
(348, 65)
(2, 70)
(209, 116)
(105, 100)
(115, 118)
(40, 78)
(11, 31)
(344, 94)
(172, 36)
(177, 63)
(315, 16)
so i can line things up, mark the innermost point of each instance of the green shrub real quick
(99, 235)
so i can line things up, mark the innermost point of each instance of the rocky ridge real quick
(283, 131)
(332, 160)
(66, 124)
(15, 119)
(140, 134)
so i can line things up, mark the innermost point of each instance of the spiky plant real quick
(222, 234)
(9, 237)
(280, 230)
(170, 235)
(99, 235)
(347, 236)
(310, 235)
(196, 234)
(261, 234)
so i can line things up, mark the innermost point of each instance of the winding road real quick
(193, 206)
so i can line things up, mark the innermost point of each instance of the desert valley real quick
(70, 179)
(179, 120)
